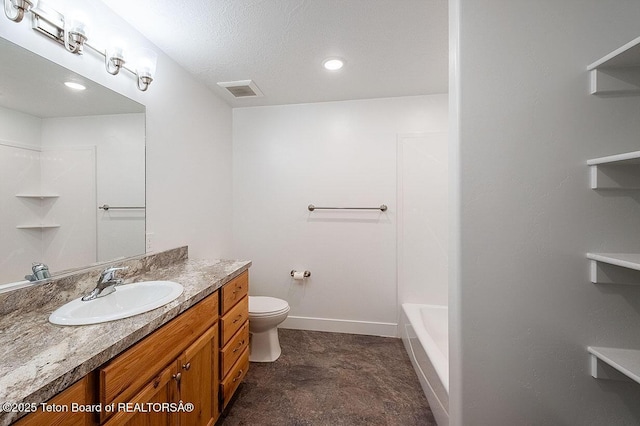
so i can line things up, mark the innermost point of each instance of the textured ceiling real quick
(391, 47)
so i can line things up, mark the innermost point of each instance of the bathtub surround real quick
(332, 379)
(326, 154)
(118, 141)
(42, 359)
(78, 160)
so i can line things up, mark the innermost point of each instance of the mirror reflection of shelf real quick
(620, 171)
(615, 363)
(41, 196)
(617, 73)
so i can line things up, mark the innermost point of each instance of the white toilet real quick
(265, 313)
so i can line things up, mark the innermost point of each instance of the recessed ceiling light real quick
(333, 64)
(74, 86)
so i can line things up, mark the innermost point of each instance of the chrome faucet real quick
(40, 272)
(106, 284)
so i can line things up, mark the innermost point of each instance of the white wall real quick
(20, 171)
(423, 214)
(327, 154)
(71, 174)
(188, 136)
(18, 127)
(527, 126)
(118, 143)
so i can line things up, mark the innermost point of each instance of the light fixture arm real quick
(74, 41)
(113, 64)
(144, 80)
(15, 9)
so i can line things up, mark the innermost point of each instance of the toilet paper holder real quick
(307, 274)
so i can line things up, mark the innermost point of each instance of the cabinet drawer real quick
(234, 319)
(234, 378)
(232, 350)
(234, 290)
(128, 372)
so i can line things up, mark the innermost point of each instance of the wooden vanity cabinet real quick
(178, 362)
(199, 357)
(191, 379)
(234, 335)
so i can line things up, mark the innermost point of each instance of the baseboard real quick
(385, 329)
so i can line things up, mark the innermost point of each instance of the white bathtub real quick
(425, 334)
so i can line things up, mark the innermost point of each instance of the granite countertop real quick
(40, 359)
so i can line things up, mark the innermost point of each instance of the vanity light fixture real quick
(75, 33)
(114, 59)
(71, 32)
(145, 67)
(333, 64)
(15, 9)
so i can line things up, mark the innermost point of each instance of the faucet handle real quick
(40, 271)
(110, 273)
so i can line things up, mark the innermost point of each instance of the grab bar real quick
(106, 207)
(382, 208)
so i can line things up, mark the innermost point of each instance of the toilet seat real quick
(264, 306)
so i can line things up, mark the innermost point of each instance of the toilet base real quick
(264, 346)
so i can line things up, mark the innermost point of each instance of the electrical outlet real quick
(149, 243)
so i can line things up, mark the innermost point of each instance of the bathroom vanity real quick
(176, 365)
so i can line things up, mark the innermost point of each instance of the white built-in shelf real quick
(39, 226)
(628, 261)
(620, 171)
(615, 363)
(41, 196)
(617, 73)
(627, 158)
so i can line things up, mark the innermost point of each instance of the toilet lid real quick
(264, 305)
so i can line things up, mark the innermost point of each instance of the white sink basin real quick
(128, 300)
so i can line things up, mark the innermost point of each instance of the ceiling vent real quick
(242, 89)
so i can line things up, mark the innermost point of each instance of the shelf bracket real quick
(615, 81)
(615, 363)
(602, 370)
(604, 273)
(614, 176)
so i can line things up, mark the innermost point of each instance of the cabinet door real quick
(145, 408)
(126, 374)
(79, 393)
(197, 380)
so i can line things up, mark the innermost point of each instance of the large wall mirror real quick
(64, 154)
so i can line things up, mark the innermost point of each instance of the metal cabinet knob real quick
(177, 377)
(186, 366)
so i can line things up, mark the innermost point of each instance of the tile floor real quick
(332, 379)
